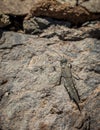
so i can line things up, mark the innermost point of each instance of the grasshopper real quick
(66, 78)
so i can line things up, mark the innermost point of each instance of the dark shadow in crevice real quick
(95, 34)
(1, 32)
(16, 23)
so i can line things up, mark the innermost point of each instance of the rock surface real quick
(74, 11)
(31, 97)
(37, 24)
(55, 9)
(92, 5)
(32, 94)
(20, 7)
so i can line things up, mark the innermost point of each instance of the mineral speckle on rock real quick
(4, 20)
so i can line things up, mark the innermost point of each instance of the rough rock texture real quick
(91, 5)
(55, 9)
(32, 94)
(67, 34)
(73, 11)
(20, 7)
(37, 24)
(31, 97)
(12, 13)
(72, 2)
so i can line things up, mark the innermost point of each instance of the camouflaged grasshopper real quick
(66, 78)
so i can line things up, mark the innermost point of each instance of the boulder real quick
(63, 11)
(37, 24)
(31, 95)
(18, 7)
(91, 5)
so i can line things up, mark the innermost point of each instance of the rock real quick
(95, 68)
(2, 80)
(4, 20)
(30, 94)
(71, 2)
(54, 9)
(37, 24)
(86, 119)
(13, 15)
(64, 33)
(91, 5)
(20, 7)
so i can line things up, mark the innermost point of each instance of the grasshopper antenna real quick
(62, 59)
(56, 53)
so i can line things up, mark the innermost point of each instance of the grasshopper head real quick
(63, 61)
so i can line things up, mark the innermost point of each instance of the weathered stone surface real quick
(88, 121)
(68, 7)
(72, 2)
(59, 9)
(70, 34)
(37, 24)
(54, 9)
(18, 7)
(92, 5)
(31, 97)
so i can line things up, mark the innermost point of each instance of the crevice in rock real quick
(11, 46)
(16, 23)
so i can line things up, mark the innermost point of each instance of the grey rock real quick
(66, 34)
(35, 25)
(91, 5)
(38, 24)
(32, 97)
(97, 68)
(51, 8)
(20, 7)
